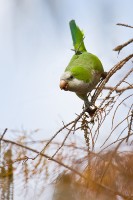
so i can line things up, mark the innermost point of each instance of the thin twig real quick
(120, 47)
(119, 90)
(3, 134)
(109, 162)
(126, 25)
(73, 125)
(130, 126)
(65, 126)
(115, 129)
(118, 107)
(124, 138)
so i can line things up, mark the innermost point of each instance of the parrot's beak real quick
(63, 85)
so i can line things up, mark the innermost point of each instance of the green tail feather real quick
(77, 37)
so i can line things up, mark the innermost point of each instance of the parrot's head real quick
(67, 81)
(74, 80)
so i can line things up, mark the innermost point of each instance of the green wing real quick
(84, 65)
(77, 37)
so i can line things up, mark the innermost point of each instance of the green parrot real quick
(84, 70)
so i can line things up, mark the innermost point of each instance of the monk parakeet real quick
(84, 70)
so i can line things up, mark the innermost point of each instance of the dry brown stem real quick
(125, 25)
(120, 47)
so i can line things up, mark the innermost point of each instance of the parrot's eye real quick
(71, 77)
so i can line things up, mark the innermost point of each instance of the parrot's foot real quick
(91, 111)
(87, 104)
(90, 108)
(104, 74)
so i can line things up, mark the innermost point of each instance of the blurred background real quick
(35, 48)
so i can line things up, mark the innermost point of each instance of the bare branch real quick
(119, 90)
(120, 47)
(115, 129)
(3, 134)
(130, 126)
(126, 25)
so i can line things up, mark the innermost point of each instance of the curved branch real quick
(120, 47)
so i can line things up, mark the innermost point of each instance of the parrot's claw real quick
(104, 74)
(87, 105)
(91, 111)
(90, 108)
